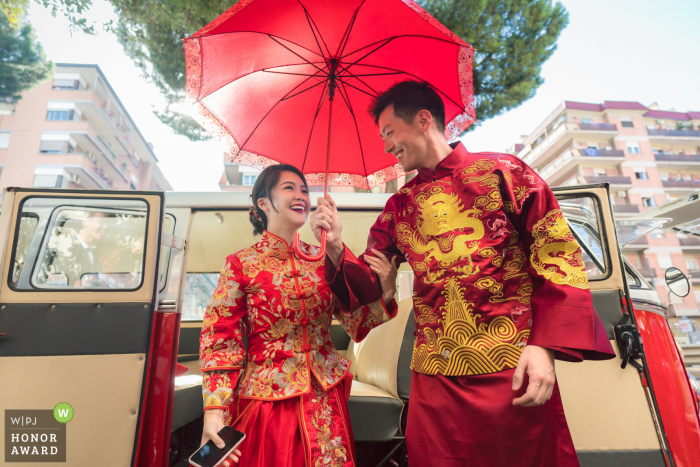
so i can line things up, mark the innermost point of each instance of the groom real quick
(500, 291)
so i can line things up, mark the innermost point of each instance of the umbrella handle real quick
(304, 256)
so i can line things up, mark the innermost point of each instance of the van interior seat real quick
(187, 398)
(382, 377)
(381, 384)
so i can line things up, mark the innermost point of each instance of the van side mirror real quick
(677, 282)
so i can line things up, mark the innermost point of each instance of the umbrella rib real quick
(304, 74)
(268, 113)
(370, 53)
(346, 36)
(357, 128)
(312, 25)
(376, 74)
(267, 34)
(258, 71)
(361, 90)
(313, 124)
(413, 76)
(310, 63)
(399, 37)
(361, 81)
(285, 98)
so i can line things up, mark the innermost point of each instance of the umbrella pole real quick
(295, 243)
(328, 147)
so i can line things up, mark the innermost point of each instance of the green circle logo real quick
(63, 412)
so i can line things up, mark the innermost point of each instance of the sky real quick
(622, 50)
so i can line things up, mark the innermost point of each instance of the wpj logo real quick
(36, 435)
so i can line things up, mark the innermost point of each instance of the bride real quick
(287, 387)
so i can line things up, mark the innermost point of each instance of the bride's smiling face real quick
(290, 202)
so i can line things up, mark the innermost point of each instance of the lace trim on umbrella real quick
(223, 17)
(193, 68)
(433, 22)
(353, 180)
(466, 86)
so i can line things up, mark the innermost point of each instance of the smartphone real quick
(210, 456)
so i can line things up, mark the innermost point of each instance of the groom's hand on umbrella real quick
(326, 217)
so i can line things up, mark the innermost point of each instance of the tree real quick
(513, 39)
(22, 60)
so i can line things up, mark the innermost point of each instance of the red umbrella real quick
(264, 77)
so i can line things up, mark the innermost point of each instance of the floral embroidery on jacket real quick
(282, 305)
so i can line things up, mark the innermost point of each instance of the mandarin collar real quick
(274, 242)
(454, 160)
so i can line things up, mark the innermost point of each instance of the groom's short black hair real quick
(409, 98)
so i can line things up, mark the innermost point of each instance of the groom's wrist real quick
(334, 251)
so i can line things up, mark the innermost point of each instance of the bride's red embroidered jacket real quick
(284, 308)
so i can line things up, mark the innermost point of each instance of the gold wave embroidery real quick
(462, 347)
(555, 254)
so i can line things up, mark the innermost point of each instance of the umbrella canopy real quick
(264, 77)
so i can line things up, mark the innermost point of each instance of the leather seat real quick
(382, 381)
(187, 397)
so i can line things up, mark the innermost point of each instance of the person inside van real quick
(287, 387)
(500, 291)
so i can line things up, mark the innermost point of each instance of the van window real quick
(27, 226)
(87, 244)
(582, 214)
(165, 252)
(199, 288)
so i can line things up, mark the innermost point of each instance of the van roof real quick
(241, 199)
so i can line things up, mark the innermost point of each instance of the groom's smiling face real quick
(406, 141)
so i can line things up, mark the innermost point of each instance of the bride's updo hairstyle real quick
(264, 184)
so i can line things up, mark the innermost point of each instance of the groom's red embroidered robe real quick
(496, 268)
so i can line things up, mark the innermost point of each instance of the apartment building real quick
(649, 156)
(72, 131)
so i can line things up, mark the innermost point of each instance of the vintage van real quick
(102, 292)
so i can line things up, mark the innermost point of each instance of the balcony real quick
(596, 126)
(613, 181)
(688, 184)
(677, 160)
(682, 133)
(625, 208)
(569, 159)
(559, 137)
(674, 136)
(690, 241)
(610, 153)
(694, 275)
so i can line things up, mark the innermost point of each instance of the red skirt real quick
(305, 431)
(471, 421)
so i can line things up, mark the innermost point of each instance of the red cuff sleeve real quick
(352, 281)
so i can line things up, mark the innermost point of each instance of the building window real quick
(249, 180)
(60, 115)
(52, 147)
(4, 139)
(586, 120)
(691, 264)
(664, 260)
(658, 233)
(648, 202)
(48, 181)
(63, 84)
(633, 147)
(641, 174)
(136, 160)
(626, 123)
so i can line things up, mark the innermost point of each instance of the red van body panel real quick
(671, 387)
